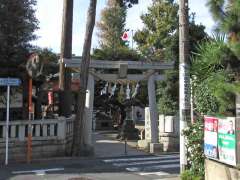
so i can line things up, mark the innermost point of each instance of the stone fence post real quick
(62, 125)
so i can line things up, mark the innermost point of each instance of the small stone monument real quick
(169, 133)
(144, 144)
(129, 131)
(148, 143)
(147, 125)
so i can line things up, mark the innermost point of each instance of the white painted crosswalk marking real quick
(159, 173)
(38, 171)
(154, 167)
(141, 158)
(146, 162)
(149, 168)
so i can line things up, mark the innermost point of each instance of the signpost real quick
(8, 82)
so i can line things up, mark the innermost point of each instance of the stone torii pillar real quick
(153, 109)
(154, 145)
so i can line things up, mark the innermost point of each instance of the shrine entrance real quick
(123, 72)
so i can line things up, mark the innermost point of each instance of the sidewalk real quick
(106, 145)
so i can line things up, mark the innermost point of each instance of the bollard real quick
(125, 152)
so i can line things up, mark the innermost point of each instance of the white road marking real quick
(148, 165)
(141, 158)
(39, 171)
(133, 169)
(175, 176)
(106, 141)
(146, 162)
(149, 168)
(160, 173)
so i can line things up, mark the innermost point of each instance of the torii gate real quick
(150, 74)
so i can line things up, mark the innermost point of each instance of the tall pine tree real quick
(17, 26)
(217, 65)
(18, 23)
(112, 25)
(227, 15)
(111, 28)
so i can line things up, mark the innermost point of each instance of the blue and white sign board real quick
(10, 82)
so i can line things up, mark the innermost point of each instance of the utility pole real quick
(65, 98)
(184, 78)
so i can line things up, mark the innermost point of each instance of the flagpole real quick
(132, 38)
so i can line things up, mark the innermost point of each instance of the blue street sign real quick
(10, 82)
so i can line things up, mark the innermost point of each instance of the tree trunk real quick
(25, 84)
(38, 105)
(39, 102)
(66, 52)
(78, 146)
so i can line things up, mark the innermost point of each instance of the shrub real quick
(188, 175)
(194, 135)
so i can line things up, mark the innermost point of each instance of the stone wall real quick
(217, 170)
(168, 133)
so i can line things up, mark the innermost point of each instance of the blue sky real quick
(49, 14)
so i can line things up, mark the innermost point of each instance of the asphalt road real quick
(123, 167)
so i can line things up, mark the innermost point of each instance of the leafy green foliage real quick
(49, 59)
(127, 3)
(215, 77)
(123, 53)
(189, 175)
(167, 96)
(18, 23)
(204, 100)
(194, 134)
(158, 40)
(213, 69)
(227, 15)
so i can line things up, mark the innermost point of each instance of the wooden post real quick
(66, 52)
